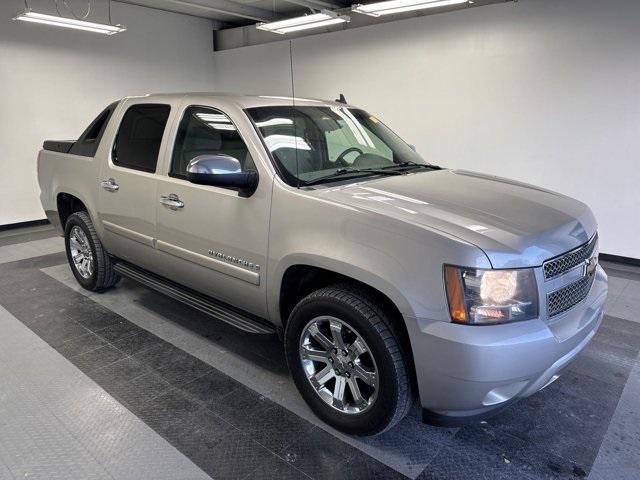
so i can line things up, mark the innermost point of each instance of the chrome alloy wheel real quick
(81, 252)
(339, 365)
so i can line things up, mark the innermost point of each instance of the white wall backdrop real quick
(544, 91)
(54, 81)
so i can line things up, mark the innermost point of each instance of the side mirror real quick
(222, 171)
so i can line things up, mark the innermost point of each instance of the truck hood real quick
(515, 224)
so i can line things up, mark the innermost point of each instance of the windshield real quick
(311, 143)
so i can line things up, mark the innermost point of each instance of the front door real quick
(210, 238)
(127, 199)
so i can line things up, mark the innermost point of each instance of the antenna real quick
(341, 99)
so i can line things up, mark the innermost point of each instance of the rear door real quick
(128, 182)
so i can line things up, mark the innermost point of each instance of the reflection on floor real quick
(202, 399)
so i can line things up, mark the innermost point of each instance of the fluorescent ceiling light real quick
(275, 121)
(34, 17)
(221, 126)
(213, 117)
(276, 142)
(396, 6)
(315, 20)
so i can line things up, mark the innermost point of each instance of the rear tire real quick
(89, 261)
(382, 395)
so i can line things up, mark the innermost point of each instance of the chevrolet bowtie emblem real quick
(590, 265)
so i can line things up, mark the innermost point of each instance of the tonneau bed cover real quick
(62, 146)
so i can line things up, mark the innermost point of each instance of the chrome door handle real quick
(172, 201)
(110, 185)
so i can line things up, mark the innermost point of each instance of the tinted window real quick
(207, 131)
(88, 143)
(138, 141)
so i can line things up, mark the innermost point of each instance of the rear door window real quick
(138, 141)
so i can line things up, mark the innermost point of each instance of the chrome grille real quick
(563, 299)
(565, 262)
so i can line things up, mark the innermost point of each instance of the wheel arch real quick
(321, 268)
(67, 204)
(299, 279)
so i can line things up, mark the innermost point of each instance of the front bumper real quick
(467, 371)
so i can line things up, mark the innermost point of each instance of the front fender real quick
(402, 260)
(340, 267)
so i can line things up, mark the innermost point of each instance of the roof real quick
(249, 101)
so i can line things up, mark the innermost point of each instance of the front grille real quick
(565, 262)
(563, 299)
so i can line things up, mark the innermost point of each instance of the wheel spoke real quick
(322, 377)
(314, 355)
(338, 392)
(336, 332)
(366, 376)
(358, 399)
(74, 242)
(356, 349)
(319, 337)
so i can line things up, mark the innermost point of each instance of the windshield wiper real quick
(342, 172)
(409, 164)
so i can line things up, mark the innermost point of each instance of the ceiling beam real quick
(225, 7)
(315, 4)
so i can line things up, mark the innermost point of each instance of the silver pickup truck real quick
(388, 278)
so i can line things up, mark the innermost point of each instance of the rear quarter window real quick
(88, 143)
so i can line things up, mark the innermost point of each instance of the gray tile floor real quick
(57, 423)
(129, 384)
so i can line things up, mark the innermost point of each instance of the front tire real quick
(89, 261)
(346, 360)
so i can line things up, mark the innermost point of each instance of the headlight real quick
(481, 297)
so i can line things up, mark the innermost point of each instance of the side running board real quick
(218, 310)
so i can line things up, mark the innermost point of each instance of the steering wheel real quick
(340, 159)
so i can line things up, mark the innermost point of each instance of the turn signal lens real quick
(481, 297)
(454, 294)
